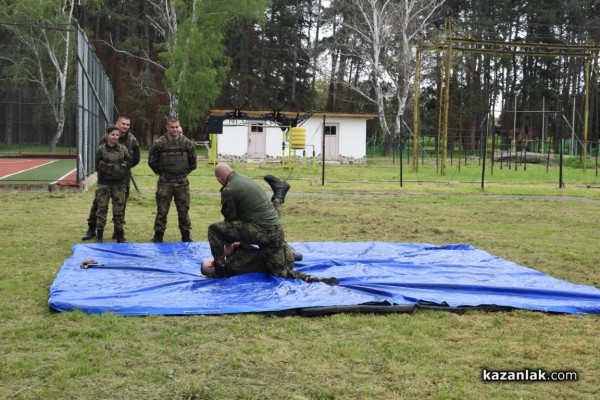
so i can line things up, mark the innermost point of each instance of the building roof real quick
(291, 114)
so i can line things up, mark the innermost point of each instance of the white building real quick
(253, 140)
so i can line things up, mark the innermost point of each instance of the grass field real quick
(522, 216)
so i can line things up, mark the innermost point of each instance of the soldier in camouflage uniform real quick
(172, 157)
(243, 258)
(127, 139)
(249, 217)
(112, 164)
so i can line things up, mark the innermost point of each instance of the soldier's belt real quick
(171, 177)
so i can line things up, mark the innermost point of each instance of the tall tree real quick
(383, 39)
(44, 30)
(187, 51)
(192, 52)
(271, 60)
(124, 42)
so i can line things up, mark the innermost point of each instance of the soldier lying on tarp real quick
(242, 258)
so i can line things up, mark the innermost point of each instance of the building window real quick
(256, 128)
(330, 130)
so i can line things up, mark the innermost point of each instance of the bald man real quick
(249, 217)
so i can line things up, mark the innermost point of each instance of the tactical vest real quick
(174, 161)
(113, 165)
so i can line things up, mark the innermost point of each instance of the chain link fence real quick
(27, 129)
(43, 139)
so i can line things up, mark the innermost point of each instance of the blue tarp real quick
(148, 278)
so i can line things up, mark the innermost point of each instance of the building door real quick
(332, 142)
(257, 141)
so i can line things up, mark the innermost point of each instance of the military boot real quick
(330, 281)
(186, 236)
(297, 256)
(99, 235)
(120, 236)
(158, 237)
(280, 188)
(91, 232)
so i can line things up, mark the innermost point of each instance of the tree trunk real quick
(8, 124)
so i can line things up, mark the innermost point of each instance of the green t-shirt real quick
(245, 200)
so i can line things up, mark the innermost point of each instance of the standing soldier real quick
(112, 164)
(172, 157)
(127, 139)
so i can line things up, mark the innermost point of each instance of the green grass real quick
(522, 216)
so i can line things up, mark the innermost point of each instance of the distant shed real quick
(250, 140)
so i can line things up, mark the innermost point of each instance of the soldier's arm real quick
(153, 156)
(192, 160)
(230, 248)
(98, 157)
(135, 155)
(228, 206)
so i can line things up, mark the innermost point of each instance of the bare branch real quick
(383, 34)
(128, 54)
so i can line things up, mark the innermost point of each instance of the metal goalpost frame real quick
(461, 44)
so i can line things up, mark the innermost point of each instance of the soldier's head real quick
(123, 124)
(222, 172)
(173, 128)
(207, 268)
(113, 134)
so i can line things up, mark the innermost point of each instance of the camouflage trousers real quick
(248, 259)
(277, 204)
(94, 209)
(104, 194)
(245, 259)
(167, 191)
(269, 238)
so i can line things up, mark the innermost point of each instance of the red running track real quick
(12, 166)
